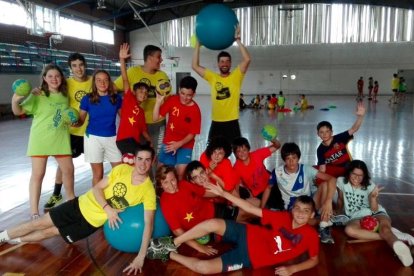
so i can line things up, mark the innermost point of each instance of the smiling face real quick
(186, 96)
(78, 69)
(141, 94)
(53, 78)
(242, 153)
(169, 183)
(199, 176)
(301, 213)
(218, 155)
(224, 65)
(154, 60)
(143, 162)
(356, 177)
(102, 82)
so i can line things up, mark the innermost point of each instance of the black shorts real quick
(229, 130)
(128, 145)
(238, 257)
(68, 219)
(224, 211)
(274, 202)
(76, 143)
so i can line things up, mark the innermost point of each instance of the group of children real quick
(198, 197)
(373, 87)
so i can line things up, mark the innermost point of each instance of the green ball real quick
(70, 115)
(21, 87)
(269, 132)
(204, 239)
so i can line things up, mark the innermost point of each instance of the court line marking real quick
(398, 194)
(4, 252)
(403, 181)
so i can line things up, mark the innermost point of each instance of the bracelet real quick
(105, 205)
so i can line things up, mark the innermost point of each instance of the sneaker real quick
(53, 201)
(339, 220)
(166, 243)
(403, 253)
(158, 254)
(403, 236)
(325, 234)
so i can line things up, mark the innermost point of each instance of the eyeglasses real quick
(357, 175)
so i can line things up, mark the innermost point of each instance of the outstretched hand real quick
(237, 33)
(375, 193)
(215, 189)
(360, 111)
(135, 266)
(113, 219)
(124, 51)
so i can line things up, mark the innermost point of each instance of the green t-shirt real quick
(49, 135)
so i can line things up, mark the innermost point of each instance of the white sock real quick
(4, 236)
(324, 224)
(15, 241)
(403, 236)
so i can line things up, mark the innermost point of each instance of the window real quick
(75, 28)
(103, 35)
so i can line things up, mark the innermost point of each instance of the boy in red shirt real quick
(253, 173)
(184, 123)
(132, 122)
(287, 236)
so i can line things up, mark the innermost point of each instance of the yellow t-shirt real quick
(395, 83)
(225, 94)
(136, 74)
(120, 194)
(76, 91)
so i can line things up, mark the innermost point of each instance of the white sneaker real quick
(403, 236)
(403, 253)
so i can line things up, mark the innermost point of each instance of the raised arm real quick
(15, 103)
(123, 56)
(195, 64)
(244, 64)
(241, 203)
(360, 112)
(156, 111)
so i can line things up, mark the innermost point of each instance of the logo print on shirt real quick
(118, 200)
(222, 92)
(176, 111)
(189, 216)
(79, 95)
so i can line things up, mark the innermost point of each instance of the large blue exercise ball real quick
(129, 235)
(215, 26)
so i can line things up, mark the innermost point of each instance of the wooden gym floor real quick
(384, 142)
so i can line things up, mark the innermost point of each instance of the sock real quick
(15, 241)
(58, 189)
(324, 224)
(4, 236)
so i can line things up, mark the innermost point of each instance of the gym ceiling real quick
(128, 15)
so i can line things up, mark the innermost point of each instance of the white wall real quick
(320, 69)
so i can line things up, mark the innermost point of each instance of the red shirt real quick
(280, 243)
(254, 175)
(132, 123)
(187, 207)
(224, 170)
(182, 120)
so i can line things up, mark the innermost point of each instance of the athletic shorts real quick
(225, 211)
(128, 145)
(230, 130)
(68, 219)
(98, 149)
(76, 143)
(238, 257)
(180, 157)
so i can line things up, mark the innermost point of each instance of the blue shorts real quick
(238, 257)
(182, 156)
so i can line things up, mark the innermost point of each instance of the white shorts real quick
(97, 149)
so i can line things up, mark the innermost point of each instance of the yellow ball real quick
(163, 87)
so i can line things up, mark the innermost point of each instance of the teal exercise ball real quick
(128, 237)
(215, 26)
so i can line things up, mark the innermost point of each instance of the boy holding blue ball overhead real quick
(78, 218)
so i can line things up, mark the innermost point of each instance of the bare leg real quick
(58, 178)
(200, 266)
(354, 230)
(35, 230)
(97, 172)
(35, 186)
(320, 195)
(180, 170)
(217, 226)
(66, 167)
(385, 230)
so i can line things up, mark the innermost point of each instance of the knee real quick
(202, 267)
(350, 231)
